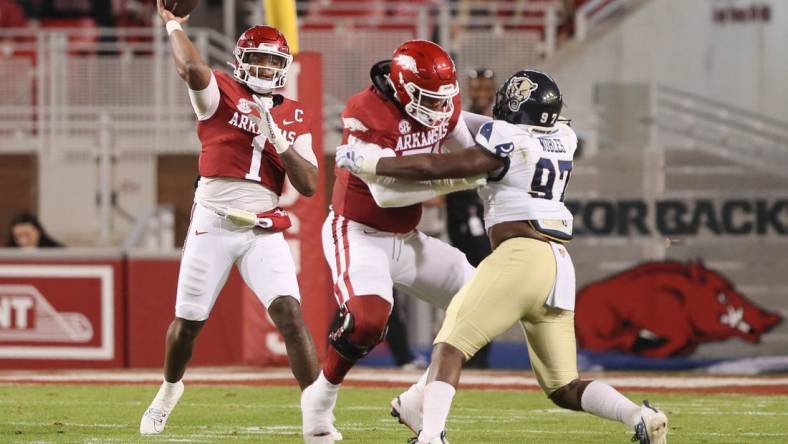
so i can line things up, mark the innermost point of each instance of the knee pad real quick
(191, 312)
(359, 326)
(568, 396)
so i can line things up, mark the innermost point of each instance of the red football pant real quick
(370, 316)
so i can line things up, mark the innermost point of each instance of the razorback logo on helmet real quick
(519, 90)
(406, 62)
(664, 309)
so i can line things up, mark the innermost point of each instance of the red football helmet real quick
(424, 81)
(262, 58)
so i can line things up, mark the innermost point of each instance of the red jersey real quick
(227, 136)
(370, 117)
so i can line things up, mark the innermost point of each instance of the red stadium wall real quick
(62, 312)
(314, 278)
(55, 306)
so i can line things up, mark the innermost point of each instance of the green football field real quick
(260, 414)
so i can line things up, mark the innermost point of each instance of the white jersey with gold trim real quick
(533, 183)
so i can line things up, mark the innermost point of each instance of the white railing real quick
(430, 18)
(154, 230)
(96, 95)
(63, 89)
(594, 12)
(685, 119)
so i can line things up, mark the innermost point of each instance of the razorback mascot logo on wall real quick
(663, 309)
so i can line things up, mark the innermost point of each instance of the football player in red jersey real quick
(251, 138)
(369, 237)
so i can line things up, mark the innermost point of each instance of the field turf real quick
(263, 414)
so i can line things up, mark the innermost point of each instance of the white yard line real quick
(486, 379)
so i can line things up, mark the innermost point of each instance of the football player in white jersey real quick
(527, 153)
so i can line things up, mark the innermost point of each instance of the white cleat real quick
(407, 409)
(653, 426)
(317, 409)
(155, 418)
(440, 439)
(334, 432)
(153, 421)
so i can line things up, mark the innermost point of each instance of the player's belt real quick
(557, 230)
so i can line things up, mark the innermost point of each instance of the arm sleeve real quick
(205, 102)
(389, 192)
(460, 137)
(303, 146)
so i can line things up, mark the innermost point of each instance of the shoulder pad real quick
(364, 113)
(568, 133)
(223, 77)
(493, 137)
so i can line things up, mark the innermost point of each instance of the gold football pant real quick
(510, 286)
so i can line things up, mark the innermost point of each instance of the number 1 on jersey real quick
(258, 145)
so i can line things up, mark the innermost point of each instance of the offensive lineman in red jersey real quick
(369, 237)
(243, 162)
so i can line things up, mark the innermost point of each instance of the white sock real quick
(437, 403)
(603, 400)
(328, 390)
(169, 394)
(417, 389)
(325, 384)
(421, 383)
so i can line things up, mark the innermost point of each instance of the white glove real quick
(268, 127)
(360, 159)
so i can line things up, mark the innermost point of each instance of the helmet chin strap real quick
(259, 89)
(252, 82)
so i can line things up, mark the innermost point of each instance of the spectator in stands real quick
(481, 90)
(136, 13)
(26, 232)
(464, 209)
(566, 17)
(11, 14)
(344, 12)
(465, 11)
(100, 11)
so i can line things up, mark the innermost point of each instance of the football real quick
(181, 8)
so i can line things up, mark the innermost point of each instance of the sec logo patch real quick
(243, 106)
(404, 127)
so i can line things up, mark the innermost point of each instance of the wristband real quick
(369, 166)
(173, 26)
(280, 145)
